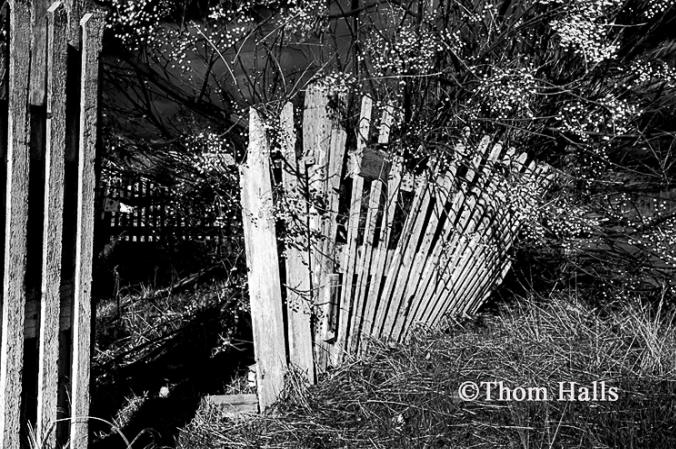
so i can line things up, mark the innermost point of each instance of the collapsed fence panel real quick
(51, 138)
(416, 246)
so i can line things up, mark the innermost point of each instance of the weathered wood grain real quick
(334, 156)
(38, 51)
(495, 218)
(298, 298)
(262, 263)
(381, 252)
(442, 193)
(403, 255)
(540, 175)
(467, 195)
(349, 259)
(316, 145)
(92, 32)
(16, 219)
(374, 206)
(466, 249)
(55, 157)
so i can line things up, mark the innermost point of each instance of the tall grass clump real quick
(406, 396)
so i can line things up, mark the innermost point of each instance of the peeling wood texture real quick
(263, 270)
(92, 31)
(55, 153)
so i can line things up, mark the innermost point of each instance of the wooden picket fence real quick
(49, 105)
(152, 217)
(384, 250)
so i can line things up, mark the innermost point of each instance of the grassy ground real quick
(407, 396)
(158, 352)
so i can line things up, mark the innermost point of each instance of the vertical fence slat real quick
(364, 267)
(16, 219)
(464, 199)
(381, 251)
(263, 269)
(38, 55)
(92, 29)
(316, 146)
(469, 248)
(412, 228)
(298, 298)
(348, 260)
(402, 320)
(143, 210)
(55, 150)
(487, 257)
(362, 301)
(330, 228)
(502, 264)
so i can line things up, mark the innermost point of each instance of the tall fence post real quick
(92, 31)
(55, 151)
(16, 220)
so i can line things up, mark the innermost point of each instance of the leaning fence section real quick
(372, 248)
(49, 104)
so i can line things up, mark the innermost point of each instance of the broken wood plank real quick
(263, 266)
(235, 406)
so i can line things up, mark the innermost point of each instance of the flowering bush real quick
(584, 85)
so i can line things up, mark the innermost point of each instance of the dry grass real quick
(406, 396)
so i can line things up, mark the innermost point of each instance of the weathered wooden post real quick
(262, 260)
(49, 50)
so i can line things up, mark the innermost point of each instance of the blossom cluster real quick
(607, 116)
(585, 29)
(657, 7)
(508, 92)
(646, 72)
(136, 22)
(410, 51)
